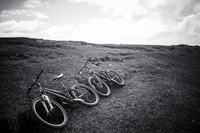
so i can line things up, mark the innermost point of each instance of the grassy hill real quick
(162, 91)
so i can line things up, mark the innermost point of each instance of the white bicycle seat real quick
(59, 76)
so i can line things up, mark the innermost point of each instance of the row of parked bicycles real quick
(50, 112)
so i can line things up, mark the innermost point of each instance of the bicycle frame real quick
(60, 94)
(68, 94)
(104, 76)
(75, 93)
(57, 93)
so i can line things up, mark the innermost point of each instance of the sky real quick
(103, 21)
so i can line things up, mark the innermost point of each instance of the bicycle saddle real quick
(59, 76)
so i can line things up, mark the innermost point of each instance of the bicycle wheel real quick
(56, 118)
(85, 93)
(115, 77)
(99, 85)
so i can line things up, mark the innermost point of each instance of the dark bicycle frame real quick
(104, 77)
(56, 93)
(59, 94)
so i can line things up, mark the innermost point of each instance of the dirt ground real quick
(162, 91)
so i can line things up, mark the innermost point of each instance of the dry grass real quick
(161, 94)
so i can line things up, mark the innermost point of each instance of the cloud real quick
(118, 21)
(197, 7)
(35, 3)
(142, 21)
(134, 8)
(188, 29)
(58, 32)
(125, 21)
(37, 29)
(113, 8)
(119, 30)
(22, 28)
(23, 12)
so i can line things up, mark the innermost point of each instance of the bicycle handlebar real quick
(38, 76)
(35, 81)
(85, 66)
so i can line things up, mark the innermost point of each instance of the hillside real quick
(162, 91)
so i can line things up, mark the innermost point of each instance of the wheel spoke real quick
(54, 118)
(85, 94)
(114, 77)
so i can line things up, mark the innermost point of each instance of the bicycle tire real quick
(99, 85)
(116, 78)
(85, 93)
(60, 119)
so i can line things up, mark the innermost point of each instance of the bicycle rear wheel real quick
(99, 85)
(115, 77)
(55, 118)
(87, 95)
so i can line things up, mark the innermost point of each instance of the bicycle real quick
(51, 113)
(99, 79)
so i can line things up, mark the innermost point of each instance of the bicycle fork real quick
(46, 98)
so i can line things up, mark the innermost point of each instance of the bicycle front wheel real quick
(116, 78)
(87, 95)
(54, 118)
(99, 85)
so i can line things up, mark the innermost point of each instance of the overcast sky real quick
(103, 21)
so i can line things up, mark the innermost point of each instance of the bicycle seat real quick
(59, 76)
